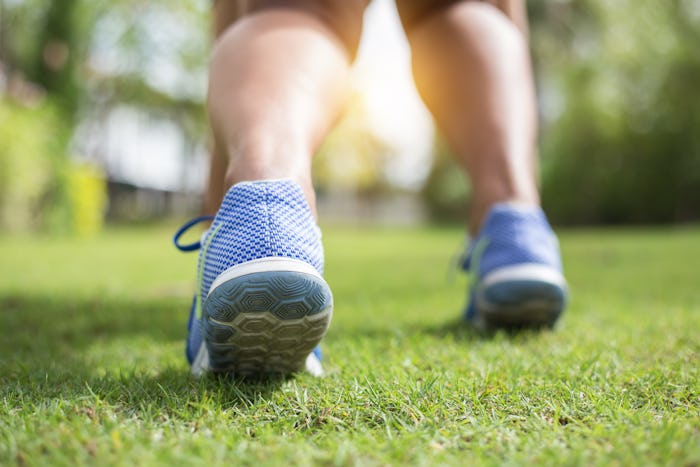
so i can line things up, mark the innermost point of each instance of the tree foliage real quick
(621, 140)
(82, 59)
(617, 85)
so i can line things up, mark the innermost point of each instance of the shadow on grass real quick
(177, 392)
(455, 329)
(47, 344)
(37, 325)
(459, 330)
(173, 391)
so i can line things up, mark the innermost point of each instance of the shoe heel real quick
(265, 322)
(521, 304)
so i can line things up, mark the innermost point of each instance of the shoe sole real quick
(521, 297)
(264, 318)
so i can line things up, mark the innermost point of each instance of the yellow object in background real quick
(87, 192)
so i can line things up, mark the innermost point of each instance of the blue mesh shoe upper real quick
(256, 220)
(260, 220)
(511, 236)
(194, 334)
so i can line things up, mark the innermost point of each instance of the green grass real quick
(92, 368)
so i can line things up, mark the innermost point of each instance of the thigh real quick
(225, 13)
(343, 17)
(413, 12)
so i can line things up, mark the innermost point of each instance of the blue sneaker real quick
(517, 279)
(262, 305)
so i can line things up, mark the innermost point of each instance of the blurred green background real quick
(97, 96)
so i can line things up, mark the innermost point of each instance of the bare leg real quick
(277, 84)
(472, 67)
(215, 189)
(224, 14)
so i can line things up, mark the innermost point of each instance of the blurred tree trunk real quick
(56, 56)
(3, 28)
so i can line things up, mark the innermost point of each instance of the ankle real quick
(304, 182)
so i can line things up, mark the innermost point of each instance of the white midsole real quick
(273, 263)
(313, 365)
(524, 272)
(201, 361)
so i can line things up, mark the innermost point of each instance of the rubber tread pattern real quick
(521, 304)
(266, 323)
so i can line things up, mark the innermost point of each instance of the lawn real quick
(92, 368)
